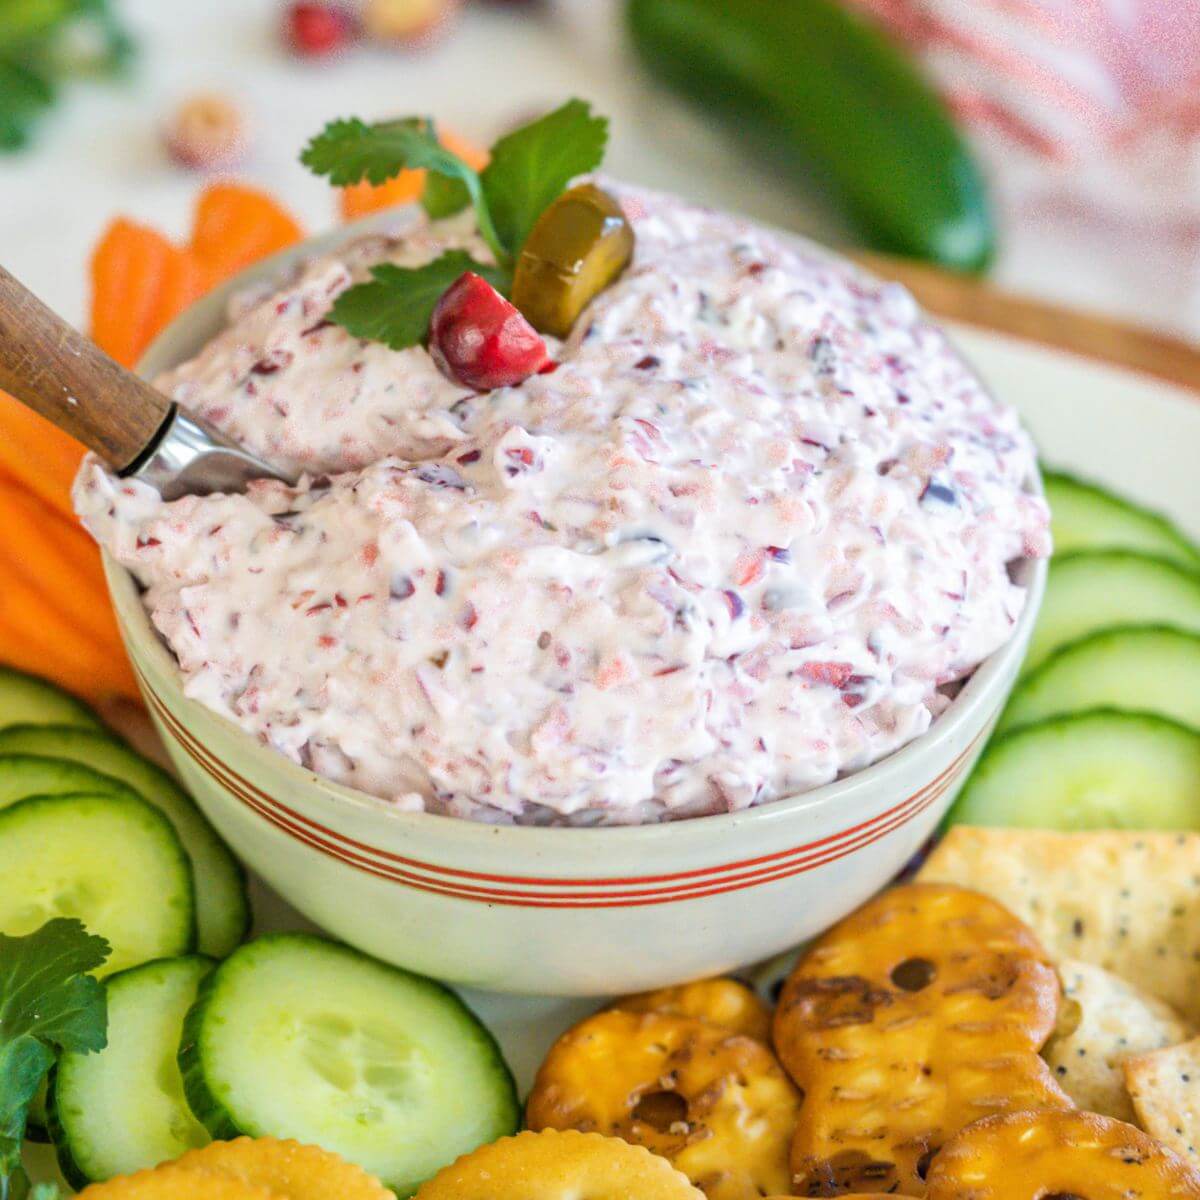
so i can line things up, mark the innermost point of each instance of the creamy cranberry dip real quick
(739, 543)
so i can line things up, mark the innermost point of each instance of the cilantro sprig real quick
(350, 151)
(528, 170)
(531, 167)
(395, 307)
(48, 1003)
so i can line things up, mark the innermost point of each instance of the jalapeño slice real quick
(579, 246)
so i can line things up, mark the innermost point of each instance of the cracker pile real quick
(1119, 914)
(1022, 1021)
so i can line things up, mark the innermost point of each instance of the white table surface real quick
(100, 154)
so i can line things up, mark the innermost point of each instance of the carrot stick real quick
(131, 270)
(362, 199)
(57, 557)
(55, 616)
(236, 226)
(37, 454)
(35, 637)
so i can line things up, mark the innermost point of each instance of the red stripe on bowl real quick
(367, 858)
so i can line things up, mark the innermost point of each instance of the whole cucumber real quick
(831, 97)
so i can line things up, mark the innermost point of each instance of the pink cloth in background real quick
(1101, 98)
(1088, 114)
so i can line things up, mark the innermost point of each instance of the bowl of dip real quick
(640, 671)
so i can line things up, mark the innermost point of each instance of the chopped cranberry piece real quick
(315, 30)
(478, 339)
(836, 673)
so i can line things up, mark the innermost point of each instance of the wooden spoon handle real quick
(69, 380)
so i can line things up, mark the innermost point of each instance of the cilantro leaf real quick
(532, 166)
(44, 990)
(396, 307)
(528, 171)
(47, 1003)
(349, 151)
(23, 1065)
(443, 196)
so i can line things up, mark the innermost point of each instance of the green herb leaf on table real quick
(531, 167)
(396, 307)
(48, 1003)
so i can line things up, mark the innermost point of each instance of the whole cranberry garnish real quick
(480, 340)
(316, 30)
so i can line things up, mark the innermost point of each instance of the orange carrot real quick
(186, 282)
(141, 281)
(471, 154)
(54, 615)
(132, 269)
(362, 199)
(59, 565)
(236, 226)
(96, 673)
(37, 454)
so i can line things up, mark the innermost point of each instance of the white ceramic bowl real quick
(553, 911)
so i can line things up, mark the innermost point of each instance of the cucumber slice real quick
(297, 1037)
(1084, 516)
(28, 700)
(223, 910)
(1096, 589)
(112, 861)
(122, 1110)
(24, 775)
(1142, 668)
(1102, 769)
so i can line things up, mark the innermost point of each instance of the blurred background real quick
(1083, 115)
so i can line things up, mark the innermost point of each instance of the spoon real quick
(137, 430)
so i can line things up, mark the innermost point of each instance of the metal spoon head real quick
(191, 458)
